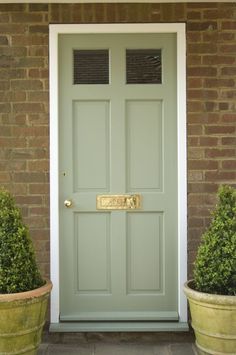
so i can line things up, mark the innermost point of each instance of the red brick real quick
(13, 28)
(35, 222)
(206, 117)
(193, 141)
(30, 131)
(13, 142)
(40, 234)
(26, 17)
(228, 25)
(228, 140)
(28, 107)
(202, 164)
(202, 71)
(229, 164)
(29, 153)
(5, 108)
(39, 189)
(202, 26)
(4, 85)
(194, 37)
(215, 82)
(20, 40)
(229, 117)
(38, 29)
(39, 142)
(226, 36)
(5, 177)
(228, 94)
(202, 48)
(194, 59)
(29, 200)
(210, 106)
(12, 7)
(38, 211)
(3, 40)
(194, 15)
(38, 165)
(41, 96)
(38, 7)
(228, 48)
(200, 6)
(43, 256)
(26, 84)
(221, 176)
(220, 153)
(196, 199)
(208, 141)
(228, 71)
(30, 62)
(195, 130)
(194, 83)
(111, 12)
(30, 177)
(38, 51)
(202, 188)
(219, 129)
(195, 222)
(223, 106)
(196, 153)
(202, 94)
(195, 106)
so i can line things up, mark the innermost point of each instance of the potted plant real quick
(212, 292)
(23, 292)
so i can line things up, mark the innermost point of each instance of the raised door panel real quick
(144, 145)
(91, 145)
(93, 254)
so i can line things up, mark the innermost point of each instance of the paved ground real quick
(118, 344)
(118, 349)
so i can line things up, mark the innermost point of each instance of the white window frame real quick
(179, 30)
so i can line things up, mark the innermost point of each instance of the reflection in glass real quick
(143, 66)
(91, 66)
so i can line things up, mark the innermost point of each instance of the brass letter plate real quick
(118, 202)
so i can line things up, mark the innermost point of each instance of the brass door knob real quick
(68, 203)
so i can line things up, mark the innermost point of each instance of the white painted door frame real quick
(179, 29)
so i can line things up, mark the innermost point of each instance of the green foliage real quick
(215, 265)
(18, 269)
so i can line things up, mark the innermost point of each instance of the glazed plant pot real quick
(213, 321)
(22, 317)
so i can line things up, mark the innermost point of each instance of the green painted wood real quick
(118, 138)
(119, 327)
(121, 316)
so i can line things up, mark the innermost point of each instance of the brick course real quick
(24, 116)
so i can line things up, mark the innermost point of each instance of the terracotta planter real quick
(213, 321)
(22, 316)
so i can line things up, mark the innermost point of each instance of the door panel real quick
(93, 253)
(118, 138)
(144, 146)
(91, 129)
(144, 242)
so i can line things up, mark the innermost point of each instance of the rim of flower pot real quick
(190, 292)
(37, 292)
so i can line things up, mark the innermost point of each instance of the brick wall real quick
(24, 106)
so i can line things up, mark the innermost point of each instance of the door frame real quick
(180, 31)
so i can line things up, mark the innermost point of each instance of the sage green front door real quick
(118, 136)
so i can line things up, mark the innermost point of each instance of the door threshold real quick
(73, 327)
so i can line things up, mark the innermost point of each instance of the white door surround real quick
(179, 30)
